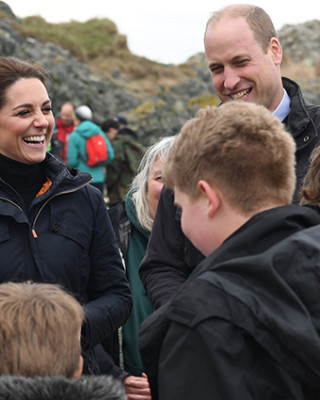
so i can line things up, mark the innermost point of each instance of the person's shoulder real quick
(314, 112)
(117, 213)
(58, 387)
(167, 193)
(59, 122)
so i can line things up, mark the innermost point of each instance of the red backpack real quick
(97, 151)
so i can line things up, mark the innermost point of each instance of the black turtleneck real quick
(25, 179)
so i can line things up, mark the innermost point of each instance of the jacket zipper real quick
(34, 233)
(11, 202)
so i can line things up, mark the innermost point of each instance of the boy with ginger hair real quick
(244, 324)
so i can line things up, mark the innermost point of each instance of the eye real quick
(23, 113)
(47, 109)
(241, 62)
(215, 69)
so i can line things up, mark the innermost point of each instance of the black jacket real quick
(170, 257)
(246, 324)
(61, 388)
(67, 238)
(303, 122)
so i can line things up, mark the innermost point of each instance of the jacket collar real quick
(298, 118)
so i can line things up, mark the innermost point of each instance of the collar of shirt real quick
(283, 108)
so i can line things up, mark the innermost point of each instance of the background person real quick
(54, 223)
(132, 221)
(245, 323)
(244, 58)
(63, 128)
(128, 154)
(311, 184)
(77, 154)
(110, 127)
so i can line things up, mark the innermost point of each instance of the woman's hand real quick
(137, 387)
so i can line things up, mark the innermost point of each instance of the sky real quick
(166, 31)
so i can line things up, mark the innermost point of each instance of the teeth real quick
(240, 95)
(35, 139)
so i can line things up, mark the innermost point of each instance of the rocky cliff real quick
(162, 111)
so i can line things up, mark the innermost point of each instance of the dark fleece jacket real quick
(61, 388)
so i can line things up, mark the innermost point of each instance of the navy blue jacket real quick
(67, 238)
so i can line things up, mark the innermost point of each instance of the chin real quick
(35, 160)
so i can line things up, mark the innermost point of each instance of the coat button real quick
(55, 226)
(306, 138)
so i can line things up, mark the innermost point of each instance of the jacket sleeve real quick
(170, 257)
(208, 361)
(111, 154)
(109, 297)
(73, 150)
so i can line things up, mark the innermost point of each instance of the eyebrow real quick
(233, 60)
(31, 105)
(156, 172)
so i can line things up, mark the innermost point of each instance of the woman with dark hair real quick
(54, 226)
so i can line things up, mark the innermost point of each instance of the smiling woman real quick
(26, 121)
(53, 241)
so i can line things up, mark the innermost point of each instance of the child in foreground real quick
(40, 349)
(245, 325)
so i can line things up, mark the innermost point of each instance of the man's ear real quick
(275, 50)
(212, 195)
(78, 371)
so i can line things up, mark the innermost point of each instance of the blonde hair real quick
(140, 181)
(241, 148)
(310, 192)
(40, 328)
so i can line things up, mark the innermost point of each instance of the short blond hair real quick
(240, 147)
(40, 328)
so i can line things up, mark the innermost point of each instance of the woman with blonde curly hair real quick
(132, 221)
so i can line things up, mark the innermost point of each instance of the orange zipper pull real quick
(34, 233)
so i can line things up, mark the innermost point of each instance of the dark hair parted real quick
(12, 69)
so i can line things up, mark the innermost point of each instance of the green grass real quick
(85, 40)
(98, 44)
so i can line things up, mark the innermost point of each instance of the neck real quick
(14, 172)
(25, 179)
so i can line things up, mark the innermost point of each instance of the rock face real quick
(302, 42)
(71, 79)
(151, 117)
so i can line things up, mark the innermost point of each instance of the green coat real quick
(133, 240)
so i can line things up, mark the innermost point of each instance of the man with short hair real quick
(63, 129)
(244, 57)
